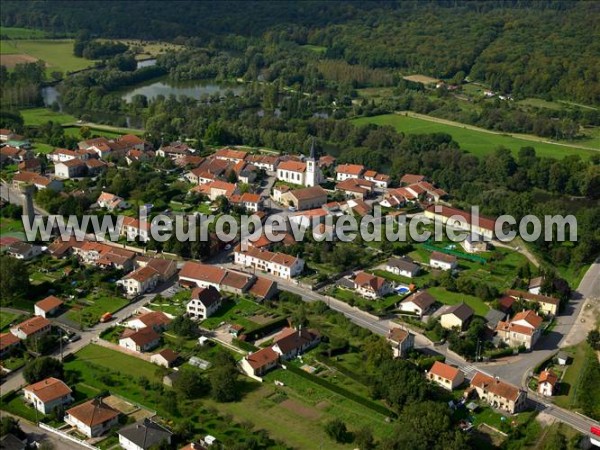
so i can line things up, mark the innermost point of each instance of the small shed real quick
(562, 358)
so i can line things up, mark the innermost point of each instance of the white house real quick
(164, 358)
(442, 261)
(31, 328)
(419, 303)
(92, 418)
(48, 306)
(143, 435)
(23, 250)
(371, 286)
(278, 264)
(345, 171)
(401, 341)
(111, 201)
(547, 383)
(474, 244)
(445, 375)
(194, 274)
(204, 303)
(140, 341)
(404, 267)
(48, 394)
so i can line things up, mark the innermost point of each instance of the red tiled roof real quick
(262, 358)
(438, 256)
(49, 303)
(547, 376)
(261, 287)
(309, 193)
(203, 272)
(292, 166)
(144, 336)
(366, 279)
(154, 318)
(169, 355)
(486, 223)
(8, 339)
(533, 297)
(495, 386)
(33, 325)
(49, 389)
(230, 153)
(93, 412)
(410, 178)
(445, 371)
(398, 335)
(350, 169)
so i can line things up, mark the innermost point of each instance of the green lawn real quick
(6, 318)
(14, 404)
(40, 147)
(112, 360)
(315, 48)
(235, 311)
(40, 116)
(98, 304)
(57, 53)
(454, 298)
(11, 227)
(480, 143)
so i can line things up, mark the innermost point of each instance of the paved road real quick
(36, 434)
(15, 380)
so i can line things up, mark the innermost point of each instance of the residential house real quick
(266, 162)
(393, 199)
(547, 382)
(371, 286)
(345, 171)
(94, 167)
(403, 266)
(30, 165)
(204, 302)
(380, 180)
(147, 275)
(445, 375)
(410, 178)
(216, 189)
(236, 282)
(401, 340)
(140, 341)
(8, 343)
(442, 261)
(23, 250)
(144, 435)
(420, 303)
(111, 201)
(47, 395)
(104, 255)
(140, 156)
(33, 327)
(291, 342)
(474, 243)
(250, 202)
(60, 155)
(229, 154)
(498, 393)
(175, 151)
(548, 305)
(134, 229)
(462, 220)
(134, 142)
(48, 306)
(194, 274)
(39, 181)
(535, 285)
(456, 316)
(258, 363)
(157, 320)
(356, 188)
(6, 134)
(306, 198)
(524, 329)
(263, 288)
(73, 168)
(92, 418)
(165, 358)
(278, 264)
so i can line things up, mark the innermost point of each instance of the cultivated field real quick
(475, 140)
(40, 116)
(56, 53)
(423, 79)
(21, 33)
(149, 49)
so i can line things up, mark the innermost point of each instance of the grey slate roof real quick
(146, 433)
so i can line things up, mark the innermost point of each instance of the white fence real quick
(43, 426)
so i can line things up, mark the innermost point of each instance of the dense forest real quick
(546, 48)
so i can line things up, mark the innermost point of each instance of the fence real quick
(474, 258)
(43, 426)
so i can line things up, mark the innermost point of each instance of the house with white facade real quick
(420, 303)
(47, 395)
(403, 266)
(111, 202)
(547, 383)
(144, 435)
(446, 376)
(371, 286)
(33, 327)
(92, 418)
(442, 261)
(203, 303)
(278, 264)
(48, 306)
(345, 171)
(140, 341)
(524, 329)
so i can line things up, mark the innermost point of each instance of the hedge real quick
(265, 329)
(341, 391)
(244, 345)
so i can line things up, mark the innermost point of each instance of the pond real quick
(193, 89)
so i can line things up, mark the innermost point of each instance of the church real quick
(303, 173)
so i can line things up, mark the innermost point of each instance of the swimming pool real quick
(402, 289)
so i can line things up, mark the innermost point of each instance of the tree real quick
(190, 383)
(223, 378)
(336, 430)
(10, 425)
(363, 439)
(42, 368)
(378, 351)
(14, 278)
(399, 382)
(593, 338)
(183, 326)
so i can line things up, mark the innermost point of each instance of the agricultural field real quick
(40, 116)
(21, 33)
(57, 54)
(474, 140)
(11, 228)
(148, 49)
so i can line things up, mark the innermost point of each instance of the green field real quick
(112, 360)
(454, 298)
(40, 116)
(57, 53)
(90, 314)
(478, 142)
(22, 33)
